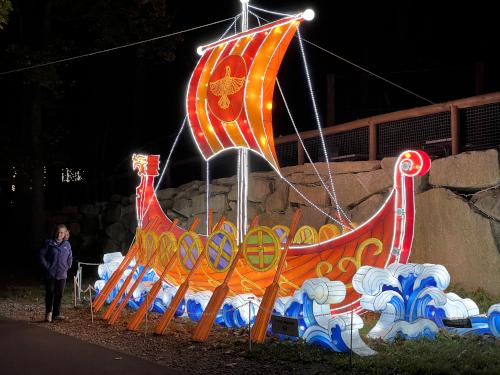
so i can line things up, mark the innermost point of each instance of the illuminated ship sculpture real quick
(229, 105)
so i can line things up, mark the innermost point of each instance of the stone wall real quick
(455, 225)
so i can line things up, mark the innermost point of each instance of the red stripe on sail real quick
(242, 120)
(198, 135)
(219, 130)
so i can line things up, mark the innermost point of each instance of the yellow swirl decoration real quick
(248, 284)
(210, 279)
(359, 253)
(356, 260)
(323, 263)
(284, 281)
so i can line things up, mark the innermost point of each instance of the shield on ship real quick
(261, 249)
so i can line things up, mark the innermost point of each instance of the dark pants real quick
(54, 290)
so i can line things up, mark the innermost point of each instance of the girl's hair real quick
(56, 231)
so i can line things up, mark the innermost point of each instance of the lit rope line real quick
(269, 11)
(166, 165)
(313, 204)
(358, 66)
(302, 142)
(230, 26)
(307, 153)
(318, 122)
(369, 72)
(113, 48)
(333, 194)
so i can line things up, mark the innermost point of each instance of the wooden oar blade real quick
(259, 328)
(172, 308)
(207, 319)
(141, 311)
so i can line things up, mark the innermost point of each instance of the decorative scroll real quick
(356, 260)
(321, 265)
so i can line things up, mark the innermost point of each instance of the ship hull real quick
(383, 239)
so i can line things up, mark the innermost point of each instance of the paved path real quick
(31, 349)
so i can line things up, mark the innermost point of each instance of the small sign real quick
(458, 323)
(284, 325)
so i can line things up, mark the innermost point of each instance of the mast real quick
(241, 210)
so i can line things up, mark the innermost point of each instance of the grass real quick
(482, 299)
(448, 354)
(445, 355)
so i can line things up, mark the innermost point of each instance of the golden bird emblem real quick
(226, 86)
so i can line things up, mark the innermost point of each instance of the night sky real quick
(94, 112)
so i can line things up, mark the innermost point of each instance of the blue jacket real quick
(56, 259)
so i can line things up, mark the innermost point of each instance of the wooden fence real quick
(453, 123)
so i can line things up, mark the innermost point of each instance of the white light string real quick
(320, 129)
(302, 143)
(114, 48)
(332, 194)
(207, 166)
(353, 64)
(369, 72)
(164, 168)
(313, 204)
(238, 200)
(230, 26)
(308, 156)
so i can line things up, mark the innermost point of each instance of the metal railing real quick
(440, 129)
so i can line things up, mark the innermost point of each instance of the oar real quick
(146, 304)
(259, 328)
(120, 293)
(123, 288)
(114, 316)
(116, 276)
(206, 322)
(181, 292)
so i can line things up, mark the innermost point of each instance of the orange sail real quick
(229, 100)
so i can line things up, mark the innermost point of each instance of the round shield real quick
(306, 235)
(228, 227)
(261, 249)
(168, 244)
(190, 246)
(328, 231)
(282, 232)
(149, 243)
(220, 251)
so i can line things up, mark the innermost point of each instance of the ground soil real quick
(227, 351)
